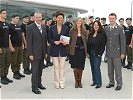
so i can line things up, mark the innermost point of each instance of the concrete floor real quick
(21, 89)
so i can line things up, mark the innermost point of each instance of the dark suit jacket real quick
(36, 42)
(53, 35)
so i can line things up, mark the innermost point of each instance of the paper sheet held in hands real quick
(64, 38)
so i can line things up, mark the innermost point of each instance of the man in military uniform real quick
(88, 28)
(26, 62)
(91, 20)
(16, 39)
(48, 59)
(115, 49)
(129, 43)
(31, 18)
(69, 24)
(4, 48)
(54, 22)
(121, 23)
(103, 22)
(48, 23)
(97, 18)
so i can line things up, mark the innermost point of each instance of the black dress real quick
(78, 60)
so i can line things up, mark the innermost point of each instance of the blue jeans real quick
(95, 62)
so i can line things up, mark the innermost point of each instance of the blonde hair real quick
(82, 27)
(75, 25)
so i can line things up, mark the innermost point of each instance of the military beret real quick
(121, 19)
(24, 16)
(91, 17)
(69, 16)
(103, 18)
(32, 14)
(129, 19)
(14, 15)
(1, 10)
(54, 14)
(43, 18)
(97, 18)
(47, 19)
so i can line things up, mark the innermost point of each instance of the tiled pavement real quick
(21, 89)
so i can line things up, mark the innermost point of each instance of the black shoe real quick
(105, 61)
(109, 86)
(9, 81)
(30, 70)
(27, 72)
(129, 67)
(36, 91)
(126, 66)
(93, 84)
(21, 75)
(16, 76)
(4, 81)
(44, 66)
(98, 86)
(123, 64)
(118, 88)
(67, 59)
(42, 87)
(49, 64)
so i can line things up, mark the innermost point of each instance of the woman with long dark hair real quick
(96, 45)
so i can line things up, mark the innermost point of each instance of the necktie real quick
(111, 28)
(40, 29)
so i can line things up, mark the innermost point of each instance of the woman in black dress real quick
(78, 50)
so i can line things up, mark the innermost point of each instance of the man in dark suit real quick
(36, 50)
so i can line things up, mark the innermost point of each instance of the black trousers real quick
(36, 67)
(48, 53)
